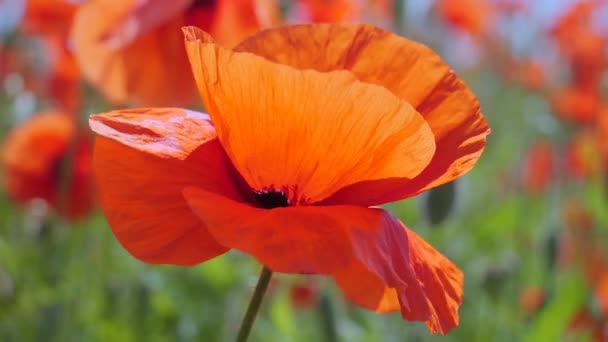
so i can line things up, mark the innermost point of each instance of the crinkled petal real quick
(433, 293)
(130, 53)
(141, 171)
(380, 265)
(305, 239)
(411, 71)
(367, 290)
(302, 131)
(164, 132)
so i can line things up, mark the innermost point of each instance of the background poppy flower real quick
(49, 21)
(579, 105)
(331, 11)
(538, 168)
(34, 157)
(48, 17)
(471, 16)
(532, 299)
(135, 50)
(531, 74)
(275, 192)
(304, 294)
(583, 156)
(63, 79)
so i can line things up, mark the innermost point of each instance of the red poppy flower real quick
(331, 11)
(577, 20)
(576, 242)
(602, 135)
(34, 156)
(48, 17)
(312, 124)
(50, 21)
(601, 293)
(587, 57)
(52, 74)
(538, 167)
(583, 158)
(334, 11)
(304, 294)
(531, 299)
(133, 51)
(584, 323)
(576, 104)
(62, 81)
(531, 74)
(471, 16)
(595, 321)
(581, 44)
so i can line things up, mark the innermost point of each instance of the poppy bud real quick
(551, 250)
(440, 203)
(494, 278)
(532, 299)
(304, 294)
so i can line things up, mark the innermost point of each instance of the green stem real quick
(254, 305)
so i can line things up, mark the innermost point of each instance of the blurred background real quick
(527, 225)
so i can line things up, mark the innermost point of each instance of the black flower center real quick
(271, 198)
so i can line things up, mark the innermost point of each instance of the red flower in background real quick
(35, 155)
(587, 55)
(602, 136)
(528, 73)
(132, 51)
(48, 17)
(532, 74)
(59, 78)
(601, 293)
(532, 299)
(584, 49)
(335, 11)
(584, 322)
(331, 11)
(583, 158)
(304, 294)
(62, 79)
(538, 167)
(576, 37)
(472, 16)
(576, 104)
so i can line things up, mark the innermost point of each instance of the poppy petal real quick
(237, 19)
(433, 295)
(131, 54)
(164, 132)
(389, 260)
(304, 239)
(142, 17)
(441, 283)
(367, 290)
(411, 71)
(315, 133)
(141, 172)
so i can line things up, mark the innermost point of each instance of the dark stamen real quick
(271, 198)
